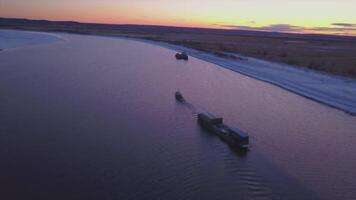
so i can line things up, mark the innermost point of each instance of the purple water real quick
(96, 118)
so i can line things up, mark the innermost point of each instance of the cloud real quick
(339, 28)
(330, 29)
(271, 28)
(344, 24)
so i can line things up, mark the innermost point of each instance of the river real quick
(95, 118)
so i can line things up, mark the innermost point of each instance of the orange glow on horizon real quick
(313, 16)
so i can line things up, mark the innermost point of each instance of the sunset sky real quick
(300, 16)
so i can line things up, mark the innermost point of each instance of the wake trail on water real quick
(248, 176)
(192, 108)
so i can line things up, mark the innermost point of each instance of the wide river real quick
(95, 118)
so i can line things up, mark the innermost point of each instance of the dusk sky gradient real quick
(302, 16)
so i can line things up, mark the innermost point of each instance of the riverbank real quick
(332, 90)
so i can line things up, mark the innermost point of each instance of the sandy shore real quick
(332, 90)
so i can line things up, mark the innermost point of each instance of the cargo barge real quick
(233, 136)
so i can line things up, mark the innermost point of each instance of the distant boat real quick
(181, 56)
(233, 136)
(179, 97)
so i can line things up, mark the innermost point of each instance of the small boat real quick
(181, 56)
(179, 97)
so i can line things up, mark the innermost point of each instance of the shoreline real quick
(24, 38)
(331, 99)
(330, 90)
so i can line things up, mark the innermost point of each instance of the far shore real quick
(327, 53)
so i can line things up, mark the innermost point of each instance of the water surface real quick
(10, 39)
(95, 118)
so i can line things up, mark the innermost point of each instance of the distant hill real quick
(71, 26)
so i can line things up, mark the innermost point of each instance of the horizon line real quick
(183, 27)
